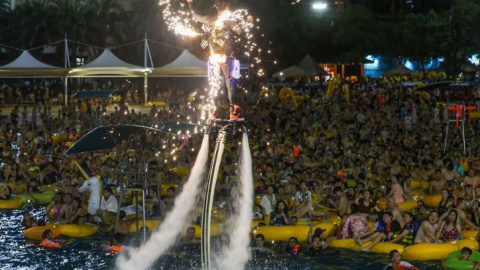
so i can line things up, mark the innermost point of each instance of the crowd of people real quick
(326, 154)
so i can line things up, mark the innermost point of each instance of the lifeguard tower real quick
(460, 114)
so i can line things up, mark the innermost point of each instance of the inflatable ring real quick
(70, 230)
(285, 93)
(151, 224)
(15, 203)
(350, 244)
(457, 264)
(436, 251)
(419, 184)
(266, 93)
(469, 234)
(283, 233)
(215, 230)
(405, 206)
(432, 201)
(164, 188)
(181, 171)
(60, 138)
(156, 103)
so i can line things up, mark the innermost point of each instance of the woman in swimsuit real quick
(53, 209)
(449, 229)
(445, 203)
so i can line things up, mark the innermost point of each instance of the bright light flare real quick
(319, 6)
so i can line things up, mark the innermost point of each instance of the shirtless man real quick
(340, 203)
(437, 184)
(67, 210)
(397, 213)
(426, 232)
(68, 188)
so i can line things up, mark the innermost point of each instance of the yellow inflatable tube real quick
(436, 251)
(283, 233)
(164, 188)
(419, 184)
(349, 243)
(76, 230)
(181, 171)
(432, 201)
(70, 230)
(15, 203)
(405, 206)
(215, 230)
(466, 234)
(151, 224)
(36, 232)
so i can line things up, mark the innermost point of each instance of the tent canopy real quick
(27, 66)
(311, 66)
(109, 65)
(185, 65)
(291, 72)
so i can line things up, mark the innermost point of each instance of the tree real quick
(5, 17)
(105, 24)
(462, 41)
(356, 33)
(35, 22)
(425, 36)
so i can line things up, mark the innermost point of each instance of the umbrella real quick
(107, 137)
(100, 94)
(400, 70)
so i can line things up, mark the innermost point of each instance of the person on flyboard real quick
(219, 36)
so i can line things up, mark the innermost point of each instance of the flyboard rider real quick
(219, 35)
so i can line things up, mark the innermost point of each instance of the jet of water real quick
(165, 237)
(236, 256)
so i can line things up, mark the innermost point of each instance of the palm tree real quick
(105, 22)
(35, 21)
(5, 17)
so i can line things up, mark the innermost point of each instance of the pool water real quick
(18, 253)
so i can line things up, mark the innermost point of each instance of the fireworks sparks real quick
(178, 21)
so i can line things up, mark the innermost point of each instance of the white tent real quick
(27, 66)
(185, 65)
(109, 65)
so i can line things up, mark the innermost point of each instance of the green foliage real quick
(425, 36)
(356, 33)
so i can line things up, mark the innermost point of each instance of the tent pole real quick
(65, 99)
(67, 65)
(145, 80)
(145, 87)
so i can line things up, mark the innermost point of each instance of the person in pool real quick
(292, 247)
(47, 243)
(397, 263)
(465, 255)
(113, 246)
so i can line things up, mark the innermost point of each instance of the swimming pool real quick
(17, 253)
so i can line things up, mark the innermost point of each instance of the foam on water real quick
(237, 254)
(165, 237)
